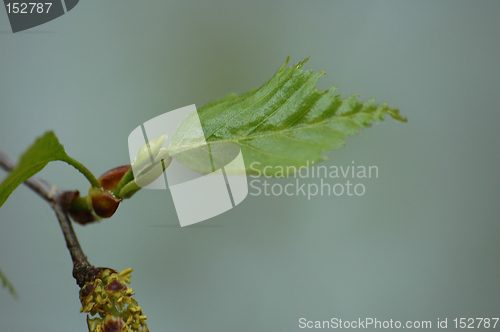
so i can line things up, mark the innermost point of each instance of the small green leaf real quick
(286, 122)
(7, 284)
(46, 149)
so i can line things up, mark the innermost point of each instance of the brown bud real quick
(79, 209)
(110, 179)
(82, 217)
(103, 202)
(112, 324)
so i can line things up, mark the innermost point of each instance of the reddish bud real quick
(115, 286)
(87, 289)
(110, 179)
(103, 202)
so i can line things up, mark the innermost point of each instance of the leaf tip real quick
(302, 63)
(297, 66)
(8, 285)
(283, 67)
(394, 112)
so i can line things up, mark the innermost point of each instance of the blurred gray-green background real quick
(421, 244)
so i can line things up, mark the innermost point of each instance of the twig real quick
(59, 201)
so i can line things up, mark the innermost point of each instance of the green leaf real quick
(286, 122)
(7, 284)
(46, 149)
